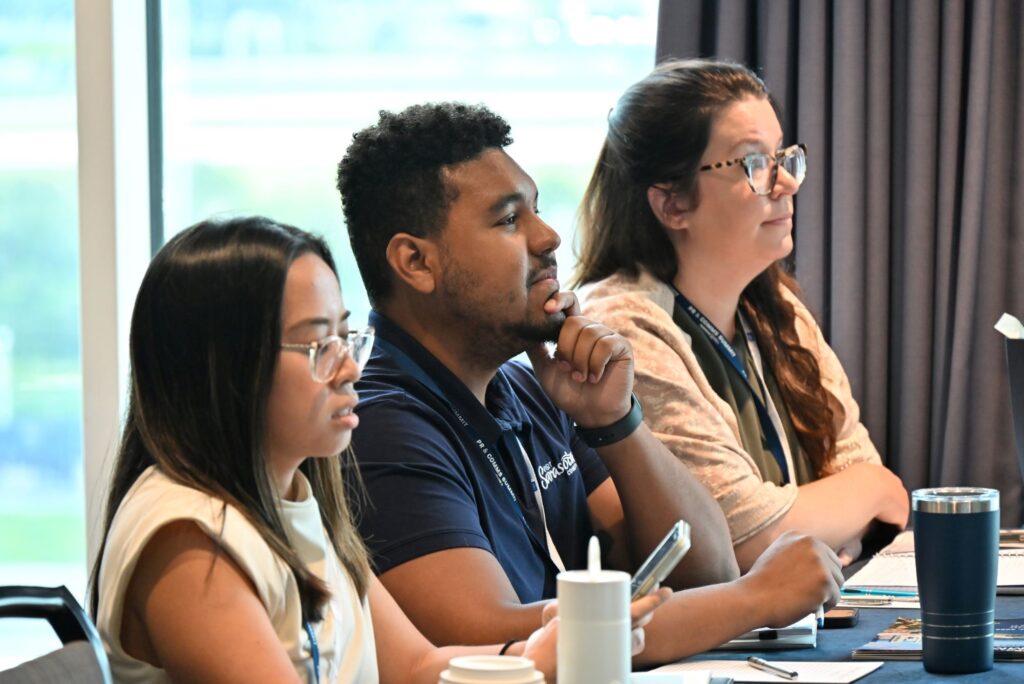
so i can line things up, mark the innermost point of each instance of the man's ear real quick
(414, 261)
(669, 207)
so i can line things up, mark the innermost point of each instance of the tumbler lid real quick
(955, 500)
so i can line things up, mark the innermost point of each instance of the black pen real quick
(770, 668)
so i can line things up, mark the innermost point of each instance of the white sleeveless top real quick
(344, 636)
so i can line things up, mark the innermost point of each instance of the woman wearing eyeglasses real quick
(684, 226)
(229, 554)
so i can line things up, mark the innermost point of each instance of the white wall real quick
(113, 162)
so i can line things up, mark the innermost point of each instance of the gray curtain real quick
(909, 224)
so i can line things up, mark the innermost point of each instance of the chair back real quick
(81, 659)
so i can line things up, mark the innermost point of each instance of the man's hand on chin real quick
(590, 376)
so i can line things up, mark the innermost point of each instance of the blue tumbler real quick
(956, 548)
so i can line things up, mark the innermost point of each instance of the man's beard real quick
(547, 329)
(533, 333)
(495, 340)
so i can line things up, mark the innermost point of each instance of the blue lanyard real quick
(314, 650)
(725, 349)
(420, 375)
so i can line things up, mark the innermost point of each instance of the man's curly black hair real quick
(391, 179)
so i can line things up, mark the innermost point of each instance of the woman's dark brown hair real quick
(657, 134)
(204, 343)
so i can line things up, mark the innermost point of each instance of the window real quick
(261, 100)
(42, 530)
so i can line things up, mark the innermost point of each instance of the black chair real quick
(81, 659)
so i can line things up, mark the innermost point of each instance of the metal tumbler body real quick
(956, 549)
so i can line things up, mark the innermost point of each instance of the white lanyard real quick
(411, 367)
(556, 558)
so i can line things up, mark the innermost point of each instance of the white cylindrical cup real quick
(594, 627)
(487, 669)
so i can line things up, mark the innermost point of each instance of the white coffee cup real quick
(593, 627)
(485, 669)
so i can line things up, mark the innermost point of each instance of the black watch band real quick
(617, 431)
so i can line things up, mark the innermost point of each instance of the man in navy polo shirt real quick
(486, 478)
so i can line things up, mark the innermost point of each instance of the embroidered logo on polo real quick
(549, 472)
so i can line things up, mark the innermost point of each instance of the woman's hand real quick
(849, 552)
(641, 611)
(542, 645)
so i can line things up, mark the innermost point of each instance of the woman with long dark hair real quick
(685, 225)
(229, 553)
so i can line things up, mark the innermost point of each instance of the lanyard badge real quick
(726, 351)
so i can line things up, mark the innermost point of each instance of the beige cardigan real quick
(686, 414)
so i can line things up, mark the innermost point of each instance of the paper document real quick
(691, 677)
(808, 672)
(1010, 326)
(894, 566)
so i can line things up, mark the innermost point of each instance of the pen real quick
(866, 600)
(1011, 538)
(880, 592)
(820, 614)
(770, 668)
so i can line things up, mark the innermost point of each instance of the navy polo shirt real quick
(432, 485)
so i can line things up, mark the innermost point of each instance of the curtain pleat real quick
(909, 235)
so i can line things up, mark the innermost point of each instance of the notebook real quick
(894, 566)
(801, 634)
(902, 641)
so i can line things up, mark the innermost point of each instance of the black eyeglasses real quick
(327, 355)
(763, 169)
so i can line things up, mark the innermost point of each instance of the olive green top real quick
(728, 385)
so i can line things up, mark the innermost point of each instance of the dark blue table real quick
(837, 644)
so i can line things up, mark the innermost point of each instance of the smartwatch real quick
(617, 431)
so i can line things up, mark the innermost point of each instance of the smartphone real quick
(662, 560)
